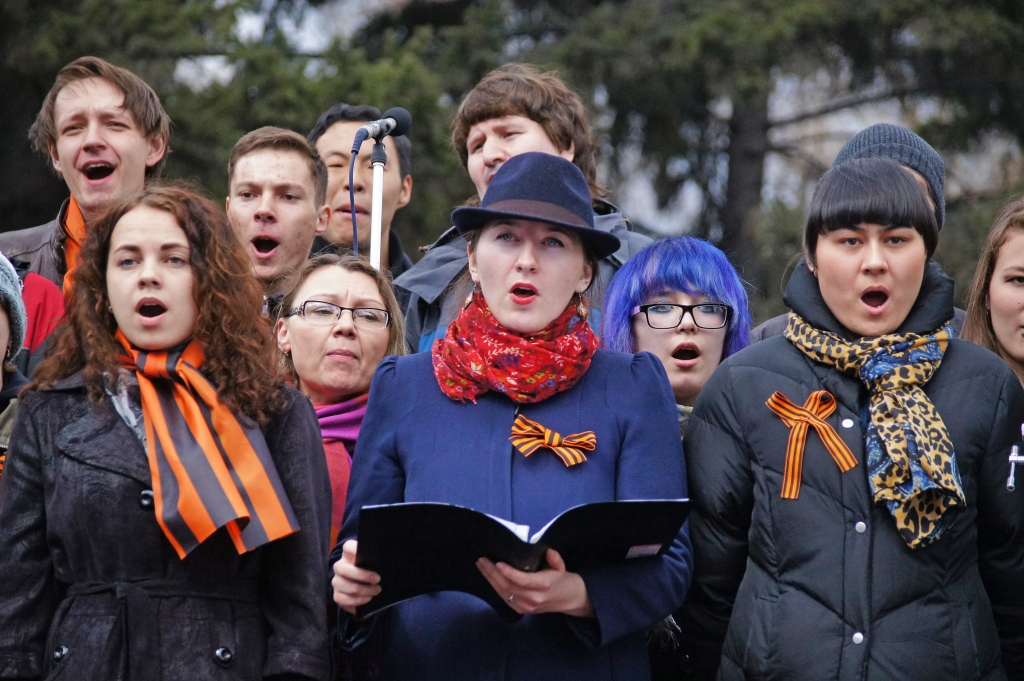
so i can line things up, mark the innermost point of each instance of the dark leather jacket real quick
(42, 247)
(90, 588)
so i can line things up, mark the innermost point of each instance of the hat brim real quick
(601, 244)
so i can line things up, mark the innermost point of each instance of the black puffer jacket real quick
(823, 587)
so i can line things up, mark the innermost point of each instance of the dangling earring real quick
(581, 308)
(469, 298)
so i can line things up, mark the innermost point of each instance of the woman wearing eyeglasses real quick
(339, 321)
(681, 300)
(521, 359)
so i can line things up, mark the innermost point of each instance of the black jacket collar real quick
(398, 261)
(932, 309)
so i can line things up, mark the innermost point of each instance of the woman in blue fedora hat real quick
(520, 355)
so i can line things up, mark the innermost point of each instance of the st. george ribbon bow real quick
(529, 436)
(818, 407)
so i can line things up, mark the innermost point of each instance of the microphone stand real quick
(378, 158)
(1015, 458)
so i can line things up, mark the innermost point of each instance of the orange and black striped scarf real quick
(74, 229)
(210, 468)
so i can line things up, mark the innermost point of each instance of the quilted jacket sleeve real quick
(722, 491)
(1001, 527)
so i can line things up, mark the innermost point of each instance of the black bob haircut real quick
(361, 113)
(875, 191)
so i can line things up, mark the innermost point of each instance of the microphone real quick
(396, 122)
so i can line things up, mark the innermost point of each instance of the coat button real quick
(847, 423)
(146, 499)
(858, 638)
(224, 656)
(861, 527)
(59, 653)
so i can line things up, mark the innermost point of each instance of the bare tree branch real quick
(844, 103)
(870, 98)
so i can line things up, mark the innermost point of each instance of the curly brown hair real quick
(240, 355)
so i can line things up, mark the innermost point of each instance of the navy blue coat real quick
(417, 445)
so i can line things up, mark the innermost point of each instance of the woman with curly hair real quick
(165, 507)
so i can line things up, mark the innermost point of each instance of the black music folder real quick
(420, 548)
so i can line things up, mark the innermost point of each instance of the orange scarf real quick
(74, 228)
(210, 468)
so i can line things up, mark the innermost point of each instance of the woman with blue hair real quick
(681, 300)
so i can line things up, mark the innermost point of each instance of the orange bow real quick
(819, 406)
(529, 436)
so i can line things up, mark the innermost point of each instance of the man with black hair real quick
(332, 136)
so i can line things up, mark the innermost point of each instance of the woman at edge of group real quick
(995, 304)
(682, 300)
(521, 353)
(851, 516)
(155, 430)
(332, 356)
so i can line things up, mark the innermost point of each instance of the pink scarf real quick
(341, 421)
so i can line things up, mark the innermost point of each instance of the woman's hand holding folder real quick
(353, 586)
(550, 590)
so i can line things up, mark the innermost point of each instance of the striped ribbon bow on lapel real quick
(529, 436)
(818, 407)
(209, 468)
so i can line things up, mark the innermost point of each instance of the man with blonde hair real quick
(277, 189)
(105, 132)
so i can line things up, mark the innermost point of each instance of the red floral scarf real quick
(478, 354)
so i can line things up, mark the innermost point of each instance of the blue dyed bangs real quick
(687, 264)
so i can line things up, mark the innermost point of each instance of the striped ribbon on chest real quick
(818, 407)
(209, 468)
(529, 436)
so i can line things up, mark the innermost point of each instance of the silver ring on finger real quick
(511, 597)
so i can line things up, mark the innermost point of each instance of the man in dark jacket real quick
(886, 140)
(513, 110)
(105, 132)
(332, 136)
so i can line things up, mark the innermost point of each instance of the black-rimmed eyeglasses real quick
(670, 315)
(325, 314)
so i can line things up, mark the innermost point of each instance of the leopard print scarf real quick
(911, 464)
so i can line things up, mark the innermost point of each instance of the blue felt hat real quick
(541, 187)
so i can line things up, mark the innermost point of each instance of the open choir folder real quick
(421, 548)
